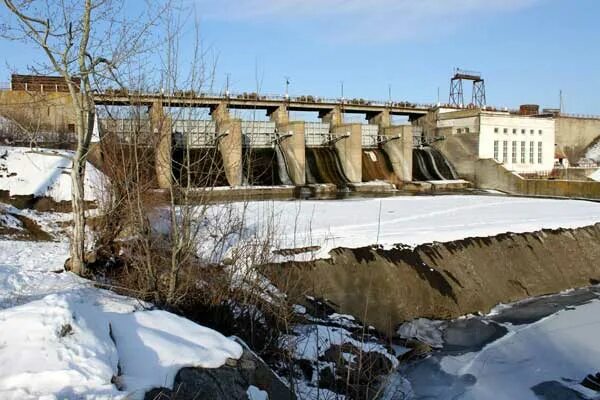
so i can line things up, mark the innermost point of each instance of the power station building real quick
(522, 143)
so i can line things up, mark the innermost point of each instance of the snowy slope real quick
(408, 220)
(42, 172)
(55, 334)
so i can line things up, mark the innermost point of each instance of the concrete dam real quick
(227, 151)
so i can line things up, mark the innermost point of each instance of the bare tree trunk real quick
(85, 123)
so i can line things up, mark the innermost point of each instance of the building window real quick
(496, 156)
(540, 131)
(539, 152)
(514, 131)
(505, 131)
(466, 130)
(523, 131)
(459, 130)
(531, 159)
(531, 131)
(505, 151)
(495, 130)
(514, 152)
(523, 145)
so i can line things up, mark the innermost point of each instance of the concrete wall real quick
(446, 280)
(52, 111)
(574, 135)
(349, 150)
(294, 151)
(461, 150)
(492, 175)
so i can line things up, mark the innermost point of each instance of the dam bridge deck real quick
(266, 102)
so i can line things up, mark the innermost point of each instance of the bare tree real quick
(84, 42)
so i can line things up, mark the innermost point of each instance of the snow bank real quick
(43, 172)
(408, 220)
(61, 338)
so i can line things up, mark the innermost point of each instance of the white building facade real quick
(523, 144)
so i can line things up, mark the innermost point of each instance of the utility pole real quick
(342, 86)
(390, 93)
(438, 97)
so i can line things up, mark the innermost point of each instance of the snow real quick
(42, 172)
(593, 152)
(406, 220)
(55, 334)
(255, 393)
(596, 174)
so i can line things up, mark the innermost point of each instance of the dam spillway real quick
(264, 167)
(323, 166)
(203, 167)
(430, 164)
(376, 166)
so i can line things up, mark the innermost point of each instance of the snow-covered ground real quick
(61, 338)
(42, 172)
(408, 220)
(551, 356)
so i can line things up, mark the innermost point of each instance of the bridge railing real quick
(269, 97)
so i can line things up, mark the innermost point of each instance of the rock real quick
(228, 382)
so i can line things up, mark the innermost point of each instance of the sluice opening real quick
(265, 167)
(429, 164)
(376, 166)
(199, 167)
(323, 166)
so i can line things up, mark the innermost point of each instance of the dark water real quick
(376, 165)
(430, 164)
(203, 167)
(323, 166)
(264, 167)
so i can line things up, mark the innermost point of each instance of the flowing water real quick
(376, 166)
(265, 167)
(430, 164)
(323, 166)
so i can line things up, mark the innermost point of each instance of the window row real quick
(514, 155)
(515, 131)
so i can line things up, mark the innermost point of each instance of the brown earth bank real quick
(385, 287)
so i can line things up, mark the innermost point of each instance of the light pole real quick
(287, 84)
(227, 85)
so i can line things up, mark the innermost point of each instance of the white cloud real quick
(363, 20)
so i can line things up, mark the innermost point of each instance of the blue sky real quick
(527, 50)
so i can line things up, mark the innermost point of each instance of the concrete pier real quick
(229, 143)
(161, 127)
(349, 149)
(292, 147)
(398, 146)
